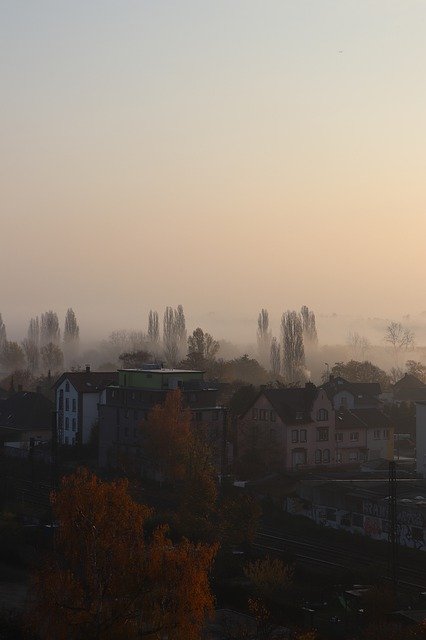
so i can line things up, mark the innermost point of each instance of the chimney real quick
(87, 368)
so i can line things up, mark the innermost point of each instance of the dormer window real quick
(322, 415)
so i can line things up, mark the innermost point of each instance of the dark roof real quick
(288, 402)
(362, 418)
(408, 381)
(26, 410)
(89, 381)
(337, 384)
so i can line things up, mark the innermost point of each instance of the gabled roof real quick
(358, 389)
(88, 381)
(26, 410)
(408, 381)
(288, 402)
(362, 418)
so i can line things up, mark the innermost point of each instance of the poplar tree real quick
(293, 349)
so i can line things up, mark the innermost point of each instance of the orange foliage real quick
(106, 581)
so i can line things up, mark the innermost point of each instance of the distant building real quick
(352, 395)
(126, 404)
(78, 394)
(409, 389)
(26, 416)
(363, 434)
(287, 429)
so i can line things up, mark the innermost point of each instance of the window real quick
(326, 455)
(354, 436)
(343, 401)
(299, 415)
(322, 435)
(385, 434)
(112, 394)
(126, 413)
(338, 457)
(266, 415)
(353, 456)
(74, 427)
(135, 433)
(273, 416)
(339, 436)
(295, 436)
(254, 414)
(74, 405)
(67, 423)
(322, 415)
(67, 386)
(67, 404)
(376, 434)
(133, 395)
(303, 435)
(66, 440)
(318, 456)
(73, 440)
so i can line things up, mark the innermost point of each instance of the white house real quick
(78, 394)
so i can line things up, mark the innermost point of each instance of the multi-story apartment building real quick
(126, 405)
(288, 429)
(78, 395)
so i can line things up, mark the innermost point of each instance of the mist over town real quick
(212, 320)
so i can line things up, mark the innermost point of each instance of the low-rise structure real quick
(26, 417)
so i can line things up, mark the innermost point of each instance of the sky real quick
(224, 155)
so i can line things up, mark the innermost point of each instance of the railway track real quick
(309, 552)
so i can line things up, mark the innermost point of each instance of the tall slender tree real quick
(310, 335)
(263, 337)
(275, 357)
(34, 331)
(293, 349)
(71, 335)
(180, 328)
(49, 328)
(153, 332)
(3, 335)
(170, 338)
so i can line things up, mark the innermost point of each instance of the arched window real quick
(326, 455)
(318, 456)
(322, 414)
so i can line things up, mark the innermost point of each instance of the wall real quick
(421, 438)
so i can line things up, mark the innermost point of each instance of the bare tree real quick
(52, 357)
(263, 337)
(180, 329)
(3, 336)
(358, 344)
(275, 357)
(310, 335)
(153, 332)
(399, 338)
(12, 356)
(34, 331)
(49, 329)
(32, 354)
(293, 349)
(71, 335)
(170, 338)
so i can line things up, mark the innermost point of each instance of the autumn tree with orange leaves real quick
(108, 580)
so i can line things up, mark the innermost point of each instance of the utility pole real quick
(393, 530)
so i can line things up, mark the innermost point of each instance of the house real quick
(287, 429)
(77, 396)
(352, 395)
(126, 404)
(25, 417)
(409, 389)
(363, 434)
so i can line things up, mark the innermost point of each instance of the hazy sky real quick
(226, 155)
